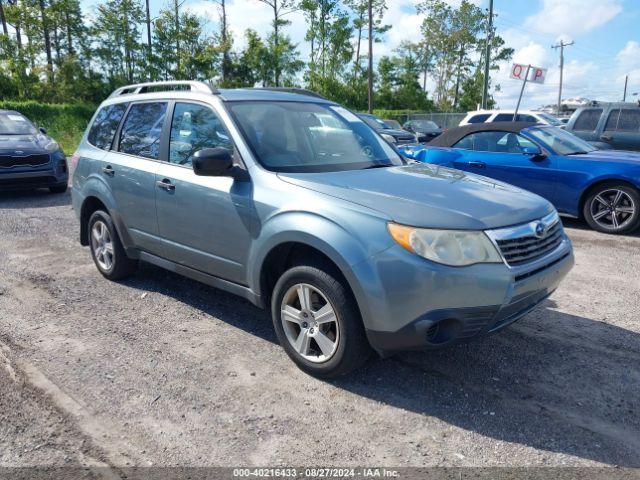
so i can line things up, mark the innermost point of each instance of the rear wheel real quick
(613, 208)
(318, 323)
(106, 248)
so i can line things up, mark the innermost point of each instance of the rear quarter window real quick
(587, 121)
(105, 125)
(481, 118)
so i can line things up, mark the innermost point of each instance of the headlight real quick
(449, 247)
(52, 146)
(388, 138)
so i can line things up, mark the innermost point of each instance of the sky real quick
(606, 35)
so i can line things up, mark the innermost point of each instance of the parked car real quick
(28, 157)
(394, 124)
(603, 187)
(397, 137)
(425, 130)
(349, 246)
(490, 116)
(608, 125)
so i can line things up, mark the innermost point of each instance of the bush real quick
(65, 123)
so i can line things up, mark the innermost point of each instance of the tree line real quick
(50, 51)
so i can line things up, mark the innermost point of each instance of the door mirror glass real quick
(213, 162)
(42, 131)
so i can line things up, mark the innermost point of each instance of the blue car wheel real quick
(613, 208)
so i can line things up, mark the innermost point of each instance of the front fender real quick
(344, 248)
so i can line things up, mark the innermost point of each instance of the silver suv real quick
(294, 203)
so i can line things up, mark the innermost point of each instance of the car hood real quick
(396, 133)
(621, 156)
(425, 195)
(9, 144)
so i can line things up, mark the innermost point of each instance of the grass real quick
(65, 123)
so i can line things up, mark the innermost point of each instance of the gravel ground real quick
(161, 370)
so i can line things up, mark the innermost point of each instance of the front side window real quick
(310, 137)
(142, 128)
(588, 120)
(629, 120)
(497, 141)
(105, 125)
(193, 128)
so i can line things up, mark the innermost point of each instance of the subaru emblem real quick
(540, 229)
(19, 152)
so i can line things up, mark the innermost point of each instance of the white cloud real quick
(572, 17)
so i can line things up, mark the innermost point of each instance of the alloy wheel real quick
(102, 245)
(310, 323)
(613, 209)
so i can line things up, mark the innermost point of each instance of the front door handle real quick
(606, 138)
(477, 164)
(108, 171)
(166, 185)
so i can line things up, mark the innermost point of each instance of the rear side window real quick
(142, 128)
(481, 118)
(105, 125)
(588, 120)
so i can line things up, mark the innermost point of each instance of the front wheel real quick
(613, 208)
(318, 323)
(58, 188)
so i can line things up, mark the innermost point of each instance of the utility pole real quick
(370, 85)
(626, 82)
(487, 57)
(561, 46)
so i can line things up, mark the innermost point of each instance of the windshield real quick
(425, 124)
(310, 137)
(550, 119)
(560, 141)
(12, 123)
(374, 122)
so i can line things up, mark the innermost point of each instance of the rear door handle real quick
(166, 185)
(477, 164)
(109, 171)
(606, 138)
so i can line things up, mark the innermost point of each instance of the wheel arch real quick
(600, 182)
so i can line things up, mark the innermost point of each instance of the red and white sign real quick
(536, 74)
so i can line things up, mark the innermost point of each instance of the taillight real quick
(75, 158)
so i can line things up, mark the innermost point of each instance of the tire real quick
(58, 188)
(613, 208)
(107, 251)
(350, 348)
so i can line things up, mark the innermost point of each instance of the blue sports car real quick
(601, 186)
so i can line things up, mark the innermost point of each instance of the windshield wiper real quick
(378, 165)
(577, 153)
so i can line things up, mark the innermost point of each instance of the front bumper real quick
(410, 303)
(50, 175)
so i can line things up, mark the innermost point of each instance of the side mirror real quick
(408, 128)
(534, 152)
(42, 131)
(212, 162)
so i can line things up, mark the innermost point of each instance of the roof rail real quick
(194, 86)
(300, 91)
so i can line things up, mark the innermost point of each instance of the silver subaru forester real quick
(294, 203)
